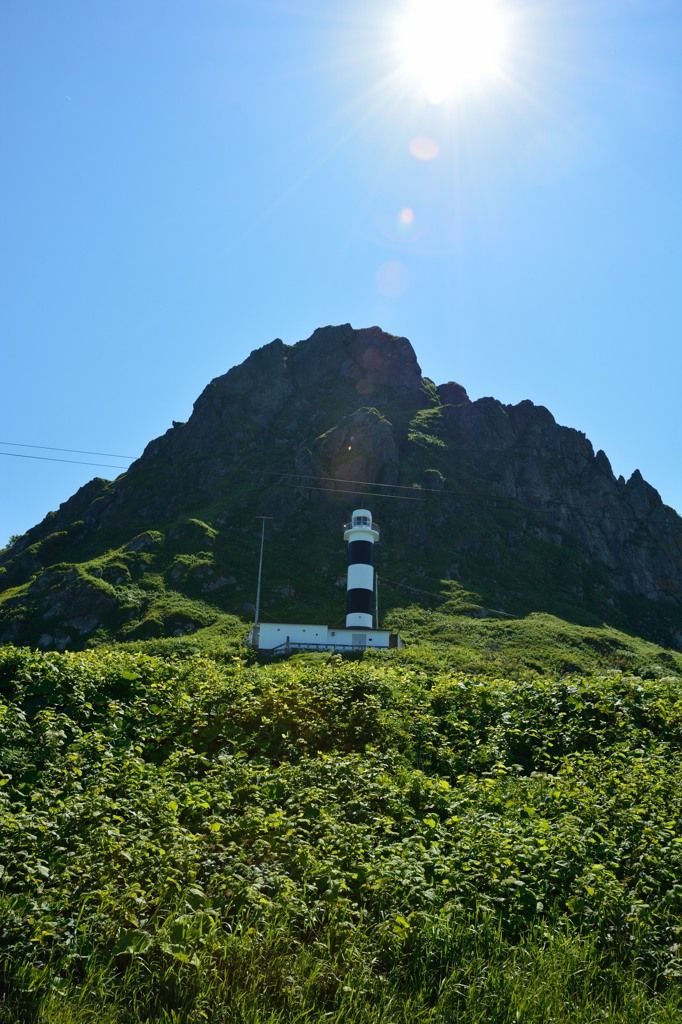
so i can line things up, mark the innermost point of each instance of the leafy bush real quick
(341, 840)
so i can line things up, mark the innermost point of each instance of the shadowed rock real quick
(521, 506)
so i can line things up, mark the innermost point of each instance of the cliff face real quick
(522, 454)
(497, 499)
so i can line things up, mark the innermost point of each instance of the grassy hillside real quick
(448, 540)
(189, 838)
(498, 644)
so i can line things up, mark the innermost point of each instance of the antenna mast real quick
(260, 566)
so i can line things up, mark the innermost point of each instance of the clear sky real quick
(182, 181)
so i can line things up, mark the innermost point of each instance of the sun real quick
(452, 47)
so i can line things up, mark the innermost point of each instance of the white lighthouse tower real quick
(361, 535)
(359, 633)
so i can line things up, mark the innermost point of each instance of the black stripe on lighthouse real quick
(359, 600)
(361, 552)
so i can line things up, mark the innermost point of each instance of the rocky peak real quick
(329, 354)
(365, 367)
(515, 504)
(372, 361)
(452, 394)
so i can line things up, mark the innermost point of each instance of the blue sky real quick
(184, 180)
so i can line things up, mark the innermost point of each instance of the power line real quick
(540, 506)
(552, 506)
(406, 586)
(73, 462)
(344, 480)
(365, 494)
(417, 489)
(75, 451)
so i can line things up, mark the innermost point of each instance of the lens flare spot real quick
(423, 147)
(392, 278)
(406, 215)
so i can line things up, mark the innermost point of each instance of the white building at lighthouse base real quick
(286, 637)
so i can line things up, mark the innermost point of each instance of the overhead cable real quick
(420, 493)
(72, 462)
(75, 451)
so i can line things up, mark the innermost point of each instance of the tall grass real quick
(463, 971)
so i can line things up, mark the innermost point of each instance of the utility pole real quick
(260, 566)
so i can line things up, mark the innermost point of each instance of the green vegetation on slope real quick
(538, 643)
(174, 544)
(377, 840)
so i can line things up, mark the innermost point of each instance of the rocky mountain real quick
(484, 508)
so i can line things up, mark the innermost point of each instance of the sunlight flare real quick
(451, 47)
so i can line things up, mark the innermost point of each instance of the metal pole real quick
(376, 600)
(260, 566)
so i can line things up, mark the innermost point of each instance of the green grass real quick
(454, 545)
(456, 973)
(537, 642)
(390, 839)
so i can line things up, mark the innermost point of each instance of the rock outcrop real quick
(502, 498)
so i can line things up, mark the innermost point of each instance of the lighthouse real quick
(359, 634)
(361, 535)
